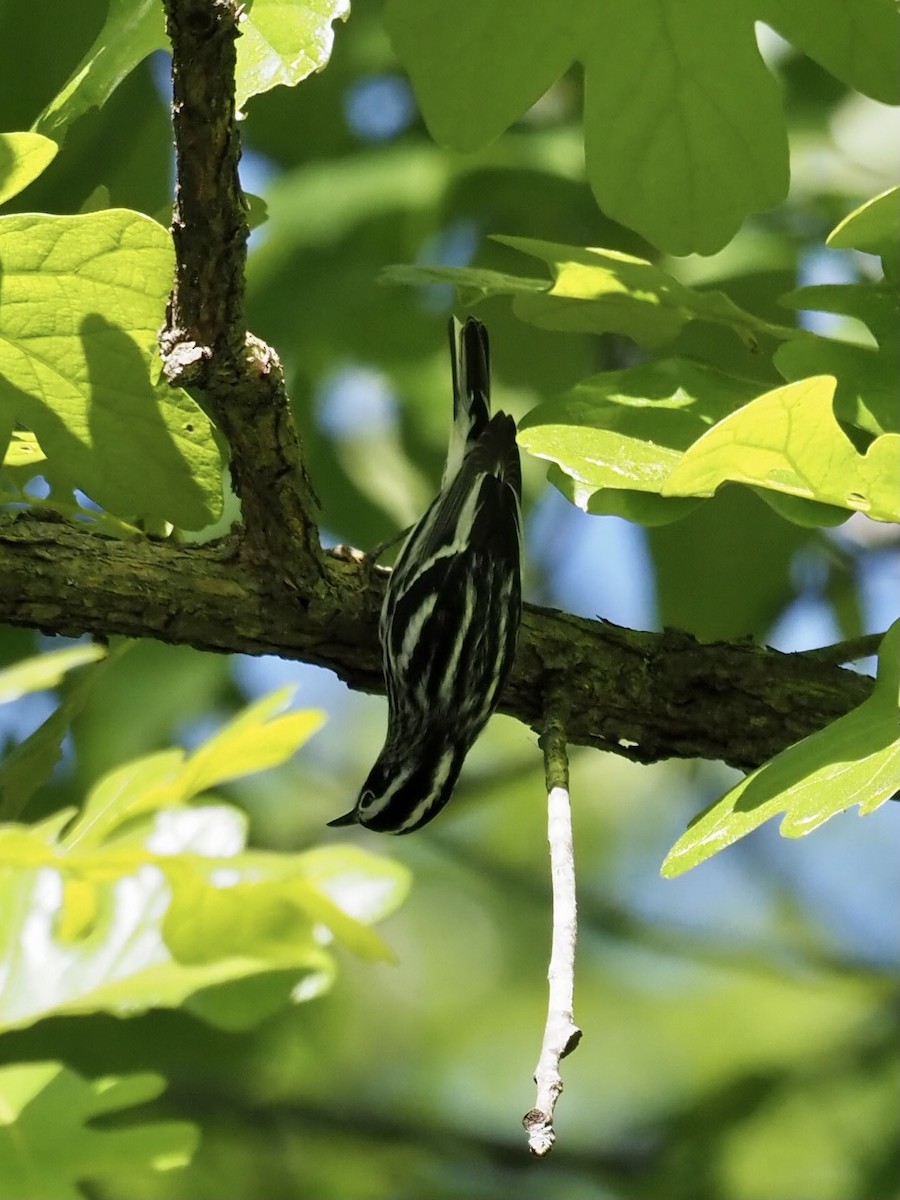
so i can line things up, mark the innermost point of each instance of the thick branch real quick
(205, 341)
(647, 696)
(209, 222)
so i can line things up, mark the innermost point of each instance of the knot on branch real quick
(184, 361)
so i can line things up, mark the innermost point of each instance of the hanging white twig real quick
(561, 1034)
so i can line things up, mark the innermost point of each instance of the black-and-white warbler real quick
(451, 611)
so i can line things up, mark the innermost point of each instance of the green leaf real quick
(874, 227)
(132, 30)
(255, 740)
(619, 293)
(855, 760)
(284, 41)
(866, 379)
(788, 440)
(811, 514)
(23, 450)
(643, 508)
(23, 156)
(855, 42)
(172, 907)
(685, 158)
(683, 128)
(628, 430)
(343, 887)
(866, 375)
(598, 291)
(133, 790)
(243, 1001)
(145, 902)
(363, 886)
(875, 305)
(645, 429)
(77, 372)
(262, 919)
(30, 764)
(683, 124)
(50, 1144)
(45, 670)
(451, 49)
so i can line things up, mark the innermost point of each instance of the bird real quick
(452, 607)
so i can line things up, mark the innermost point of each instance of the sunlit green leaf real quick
(629, 429)
(789, 441)
(642, 429)
(23, 450)
(50, 1142)
(255, 740)
(866, 374)
(873, 227)
(365, 887)
(23, 156)
(866, 393)
(276, 919)
(132, 30)
(598, 291)
(45, 670)
(144, 902)
(171, 908)
(284, 41)
(133, 790)
(615, 292)
(81, 302)
(855, 760)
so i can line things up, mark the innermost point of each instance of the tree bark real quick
(647, 696)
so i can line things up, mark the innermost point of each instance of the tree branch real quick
(647, 696)
(205, 341)
(850, 651)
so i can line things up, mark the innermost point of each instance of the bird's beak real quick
(347, 819)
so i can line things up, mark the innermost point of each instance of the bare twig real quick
(561, 1034)
(850, 651)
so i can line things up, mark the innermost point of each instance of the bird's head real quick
(402, 792)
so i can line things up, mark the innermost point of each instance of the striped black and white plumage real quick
(451, 611)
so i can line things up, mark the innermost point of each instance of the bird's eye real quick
(366, 800)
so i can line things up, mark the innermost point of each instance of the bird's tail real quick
(470, 360)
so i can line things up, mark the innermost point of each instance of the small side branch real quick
(561, 1034)
(849, 651)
